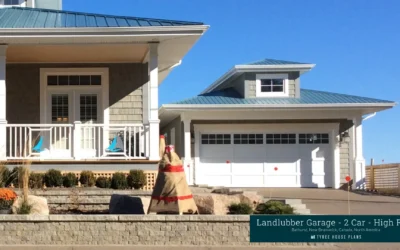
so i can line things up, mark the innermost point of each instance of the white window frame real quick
(284, 93)
(102, 89)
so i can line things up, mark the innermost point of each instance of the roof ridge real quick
(272, 59)
(104, 15)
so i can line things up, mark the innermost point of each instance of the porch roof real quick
(17, 17)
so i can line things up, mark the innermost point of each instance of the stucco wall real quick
(250, 83)
(125, 91)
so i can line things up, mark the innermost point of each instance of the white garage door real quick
(265, 160)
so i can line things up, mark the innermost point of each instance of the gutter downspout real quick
(171, 67)
(369, 116)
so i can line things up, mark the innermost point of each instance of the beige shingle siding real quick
(125, 90)
(344, 148)
(126, 93)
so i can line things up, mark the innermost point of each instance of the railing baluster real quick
(99, 151)
(65, 137)
(15, 141)
(26, 141)
(20, 141)
(69, 140)
(130, 141)
(134, 141)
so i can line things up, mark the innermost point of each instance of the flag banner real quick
(324, 228)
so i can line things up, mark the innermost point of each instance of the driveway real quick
(332, 201)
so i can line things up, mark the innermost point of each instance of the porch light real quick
(345, 137)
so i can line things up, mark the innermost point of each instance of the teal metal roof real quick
(267, 61)
(230, 96)
(17, 17)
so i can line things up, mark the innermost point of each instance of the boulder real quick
(217, 204)
(125, 204)
(39, 205)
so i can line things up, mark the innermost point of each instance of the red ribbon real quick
(173, 169)
(172, 198)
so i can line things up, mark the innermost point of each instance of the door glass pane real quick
(88, 108)
(59, 108)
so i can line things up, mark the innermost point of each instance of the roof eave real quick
(185, 29)
(176, 107)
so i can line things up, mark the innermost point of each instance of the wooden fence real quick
(385, 176)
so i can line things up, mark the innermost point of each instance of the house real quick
(256, 127)
(81, 89)
(46, 4)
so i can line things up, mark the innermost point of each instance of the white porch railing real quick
(111, 141)
(77, 141)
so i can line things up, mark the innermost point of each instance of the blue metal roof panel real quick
(17, 17)
(230, 96)
(268, 61)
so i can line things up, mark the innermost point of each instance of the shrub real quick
(240, 208)
(4, 176)
(25, 208)
(274, 207)
(7, 197)
(87, 179)
(136, 179)
(36, 180)
(103, 182)
(119, 181)
(53, 178)
(70, 180)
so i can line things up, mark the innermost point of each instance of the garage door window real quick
(216, 139)
(248, 139)
(281, 138)
(314, 138)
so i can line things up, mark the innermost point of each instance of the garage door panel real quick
(280, 151)
(249, 151)
(314, 180)
(289, 167)
(216, 168)
(248, 181)
(221, 151)
(247, 168)
(281, 180)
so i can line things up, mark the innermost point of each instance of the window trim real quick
(215, 139)
(284, 93)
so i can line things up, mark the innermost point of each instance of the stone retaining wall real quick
(124, 230)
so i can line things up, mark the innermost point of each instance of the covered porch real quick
(87, 92)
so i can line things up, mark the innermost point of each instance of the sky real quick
(354, 44)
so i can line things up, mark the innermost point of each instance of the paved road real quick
(331, 201)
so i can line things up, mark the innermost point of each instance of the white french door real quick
(66, 107)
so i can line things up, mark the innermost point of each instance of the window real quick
(314, 138)
(82, 80)
(281, 138)
(272, 85)
(11, 2)
(248, 139)
(88, 108)
(59, 108)
(216, 139)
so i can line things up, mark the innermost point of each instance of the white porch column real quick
(188, 164)
(154, 122)
(359, 161)
(336, 158)
(3, 121)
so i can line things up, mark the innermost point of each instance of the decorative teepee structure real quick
(171, 193)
